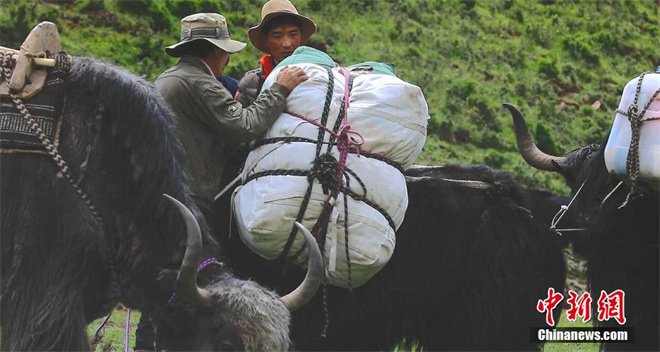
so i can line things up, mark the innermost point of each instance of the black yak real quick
(69, 257)
(470, 264)
(622, 249)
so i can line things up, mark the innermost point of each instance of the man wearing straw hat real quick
(210, 121)
(281, 30)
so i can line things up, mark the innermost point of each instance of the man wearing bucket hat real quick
(281, 30)
(210, 122)
(209, 119)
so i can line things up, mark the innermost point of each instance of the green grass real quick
(571, 346)
(554, 59)
(113, 335)
(114, 330)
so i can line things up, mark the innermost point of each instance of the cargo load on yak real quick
(632, 151)
(334, 161)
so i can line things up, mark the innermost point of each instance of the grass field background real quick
(114, 333)
(563, 63)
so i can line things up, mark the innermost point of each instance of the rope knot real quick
(350, 137)
(325, 170)
(63, 61)
(632, 112)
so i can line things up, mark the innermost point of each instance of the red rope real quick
(344, 141)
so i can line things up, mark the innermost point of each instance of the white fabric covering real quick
(618, 144)
(392, 116)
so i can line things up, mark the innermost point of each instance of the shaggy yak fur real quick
(622, 242)
(62, 268)
(468, 270)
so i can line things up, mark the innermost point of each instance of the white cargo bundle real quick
(390, 116)
(637, 95)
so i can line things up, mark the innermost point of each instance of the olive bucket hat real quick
(275, 8)
(211, 27)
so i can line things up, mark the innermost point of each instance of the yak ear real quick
(564, 171)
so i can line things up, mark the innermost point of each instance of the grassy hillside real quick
(564, 63)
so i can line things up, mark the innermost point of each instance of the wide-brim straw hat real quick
(275, 8)
(211, 27)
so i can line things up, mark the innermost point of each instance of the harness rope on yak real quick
(63, 63)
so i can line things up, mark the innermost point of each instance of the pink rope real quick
(201, 266)
(347, 92)
(345, 136)
(344, 140)
(344, 129)
(127, 332)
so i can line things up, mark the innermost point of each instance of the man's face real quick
(217, 61)
(282, 41)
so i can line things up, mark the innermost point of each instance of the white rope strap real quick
(562, 210)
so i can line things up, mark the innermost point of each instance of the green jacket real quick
(210, 122)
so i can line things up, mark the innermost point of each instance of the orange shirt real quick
(267, 65)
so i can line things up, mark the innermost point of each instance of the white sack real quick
(391, 115)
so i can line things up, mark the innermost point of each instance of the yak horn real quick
(315, 275)
(529, 151)
(186, 282)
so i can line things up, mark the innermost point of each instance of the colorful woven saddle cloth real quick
(46, 110)
(39, 88)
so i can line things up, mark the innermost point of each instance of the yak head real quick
(226, 313)
(124, 134)
(583, 168)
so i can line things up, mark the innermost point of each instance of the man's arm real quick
(225, 115)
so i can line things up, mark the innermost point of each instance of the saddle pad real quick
(45, 108)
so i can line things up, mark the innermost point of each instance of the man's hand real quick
(291, 76)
